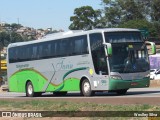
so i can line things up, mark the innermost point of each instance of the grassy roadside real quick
(47, 105)
(71, 106)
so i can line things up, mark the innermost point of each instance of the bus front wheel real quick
(86, 88)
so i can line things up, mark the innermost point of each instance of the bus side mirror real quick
(108, 48)
(151, 47)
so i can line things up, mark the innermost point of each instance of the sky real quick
(42, 13)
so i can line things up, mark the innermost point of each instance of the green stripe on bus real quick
(18, 80)
(65, 75)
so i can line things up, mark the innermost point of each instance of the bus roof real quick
(70, 33)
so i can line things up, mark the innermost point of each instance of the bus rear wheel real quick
(30, 90)
(121, 92)
(86, 88)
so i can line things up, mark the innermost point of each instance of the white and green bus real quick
(114, 59)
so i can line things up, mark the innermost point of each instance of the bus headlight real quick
(116, 77)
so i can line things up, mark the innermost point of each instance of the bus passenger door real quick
(100, 78)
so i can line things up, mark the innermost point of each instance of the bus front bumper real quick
(126, 84)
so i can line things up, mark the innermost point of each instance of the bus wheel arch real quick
(85, 87)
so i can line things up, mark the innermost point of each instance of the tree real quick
(15, 26)
(15, 37)
(133, 14)
(120, 11)
(4, 38)
(7, 38)
(140, 24)
(85, 18)
(155, 15)
(155, 5)
(112, 12)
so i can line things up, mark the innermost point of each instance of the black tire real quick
(63, 93)
(121, 92)
(86, 88)
(30, 90)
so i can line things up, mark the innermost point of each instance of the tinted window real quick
(80, 45)
(95, 40)
(117, 37)
(57, 48)
(53, 49)
(64, 47)
(11, 55)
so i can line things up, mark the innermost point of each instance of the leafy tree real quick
(7, 25)
(15, 26)
(133, 14)
(85, 18)
(7, 38)
(112, 12)
(140, 24)
(155, 5)
(120, 11)
(4, 38)
(156, 25)
(15, 37)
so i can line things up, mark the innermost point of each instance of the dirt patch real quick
(155, 83)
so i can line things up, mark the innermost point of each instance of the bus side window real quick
(57, 48)
(11, 55)
(34, 52)
(45, 51)
(78, 46)
(29, 52)
(64, 47)
(84, 45)
(70, 46)
(16, 55)
(53, 49)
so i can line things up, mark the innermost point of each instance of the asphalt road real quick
(136, 92)
(133, 96)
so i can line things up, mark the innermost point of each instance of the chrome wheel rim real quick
(86, 87)
(30, 89)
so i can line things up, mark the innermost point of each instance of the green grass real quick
(48, 105)
(56, 105)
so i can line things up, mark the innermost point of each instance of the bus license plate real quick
(134, 83)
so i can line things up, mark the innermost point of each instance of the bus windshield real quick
(123, 37)
(129, 58)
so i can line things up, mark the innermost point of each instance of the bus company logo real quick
(62, 66)
(6, 114)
